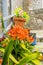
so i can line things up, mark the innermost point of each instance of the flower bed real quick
(18, 49)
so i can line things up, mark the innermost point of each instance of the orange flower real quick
(30, 39)
(26, 31)
(19, 32)
(21, 36)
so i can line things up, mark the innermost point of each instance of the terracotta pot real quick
(19, 21)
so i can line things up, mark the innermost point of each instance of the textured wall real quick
(36, 4)
(36, 20)
(32, 7)
(32, 4)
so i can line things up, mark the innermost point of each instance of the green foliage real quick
(22, 14)
(10, 56)
(27, 17)
(10, 62)
(31, 63)
(28, 58)
(8, 50)
(16, 11)
(21, 55)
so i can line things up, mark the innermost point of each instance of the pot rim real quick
(19, 19)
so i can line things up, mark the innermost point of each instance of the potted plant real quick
(19, 50)
(20, 17)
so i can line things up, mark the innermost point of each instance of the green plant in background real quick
(20, 13)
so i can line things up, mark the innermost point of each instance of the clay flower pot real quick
(19, 21)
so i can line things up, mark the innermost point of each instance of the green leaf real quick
(28, 58)
(10, 62)
(8, 50)
(31, 63)
(26, 16)
(2, 49)
(16, 11)
(13, 59)
(24, 47)
(6, 40)
(10, 56)
(36, 62)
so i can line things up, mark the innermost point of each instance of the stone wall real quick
(36, 20)
(36, 15)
